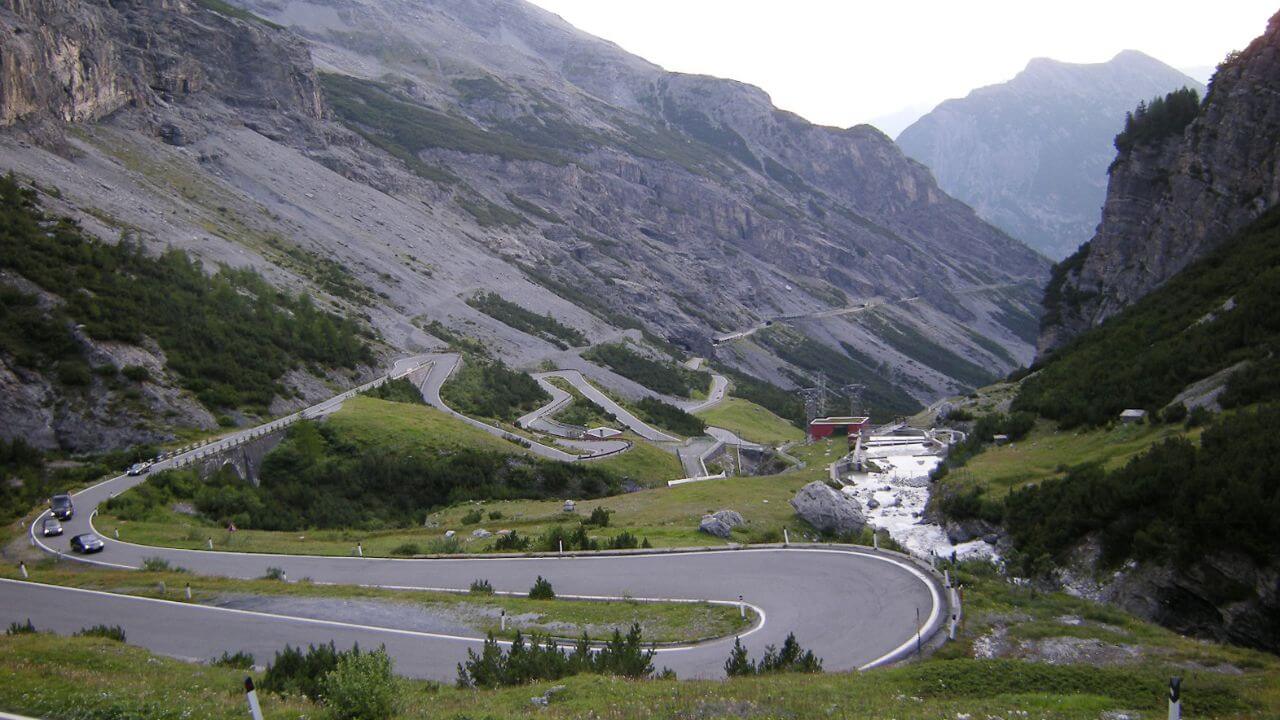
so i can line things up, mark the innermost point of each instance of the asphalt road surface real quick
(854, 607)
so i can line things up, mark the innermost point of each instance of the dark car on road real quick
(51, 527)
(87, 543)
(62, 507)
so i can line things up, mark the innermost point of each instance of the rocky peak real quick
(1172, 199)
(1030, 155)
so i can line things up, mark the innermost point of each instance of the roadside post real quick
(22, 567)
(210, 543)
(1175, 698)
(786, 539)
(875, 539)
(252, 695)
(504, 620)
(919, 644)
(360, 549)
(188, 591)
(742, 608)
(162, 588)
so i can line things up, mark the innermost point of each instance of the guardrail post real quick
(251, 695)
(22, 568)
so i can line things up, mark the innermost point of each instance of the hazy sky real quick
(842, 62)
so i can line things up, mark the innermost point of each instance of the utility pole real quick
(853, 391)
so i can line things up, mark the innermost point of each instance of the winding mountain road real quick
(856, 608)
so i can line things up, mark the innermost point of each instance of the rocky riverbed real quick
(895, 498)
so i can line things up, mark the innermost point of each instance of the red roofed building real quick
(826, 427)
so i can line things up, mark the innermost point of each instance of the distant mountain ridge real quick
(1175, 196)
(1031, 155)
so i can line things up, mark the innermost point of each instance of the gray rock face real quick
(720, 523)
(828, 510)
(1031, 155)
(1173, 200)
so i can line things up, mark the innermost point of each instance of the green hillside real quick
(1220, 311)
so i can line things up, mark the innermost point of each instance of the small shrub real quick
(624, 541)
(406, 549)
(481, 587)
(155, 564)
(472, 517)
(1174, 413)
(239, 660)
(136, 373)
(274, 573)
(495, 514)
(111, 632)
(21, 629)
(791, 658)
(361, 687)
(511, 542)
(294, 672)
(599, 517)
(541, 590)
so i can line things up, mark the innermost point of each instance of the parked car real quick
(61, 506)
(51, 527)
(87, 543)
(138, 468)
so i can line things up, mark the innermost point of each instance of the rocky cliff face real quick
(81, 60)
(1031, 155)
(1171, 200)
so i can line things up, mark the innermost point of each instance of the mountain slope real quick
(450, 149)
(1175, 195)
(1030, 155)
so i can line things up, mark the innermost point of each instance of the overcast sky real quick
(842, 62)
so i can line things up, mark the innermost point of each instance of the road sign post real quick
(255, 710)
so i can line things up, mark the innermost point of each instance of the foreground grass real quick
(668, 517)
(751, 422)
(661, 622)
(1047, 452)
(52, 676)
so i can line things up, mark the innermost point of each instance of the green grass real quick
(644, 463)
(668, 517)
(1046, 453)
(661, 622)
(50, 676)
(750, 422)
(369, 422)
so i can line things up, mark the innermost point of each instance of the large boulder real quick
(720, 523)
(828, 510)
